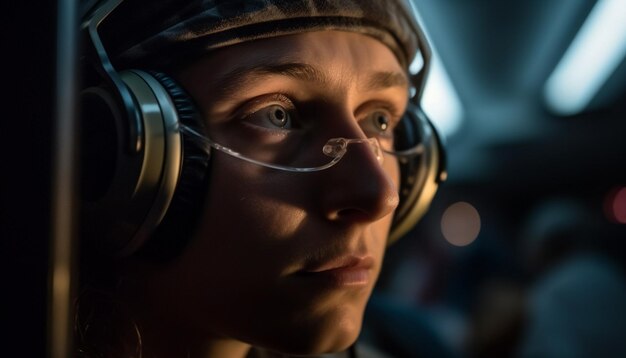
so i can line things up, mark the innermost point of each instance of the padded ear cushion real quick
(408, 134)
(420, 175)
(176, 228)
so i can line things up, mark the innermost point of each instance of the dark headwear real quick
(154, 34)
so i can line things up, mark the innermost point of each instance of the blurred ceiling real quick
(498, 55)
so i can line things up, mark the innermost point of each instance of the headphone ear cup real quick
(420, 175)
(176, 229)
(109, 173)
(126, 199)
(99, 142)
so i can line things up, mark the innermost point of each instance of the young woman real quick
(269, 154)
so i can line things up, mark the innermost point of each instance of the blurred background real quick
(522, 252)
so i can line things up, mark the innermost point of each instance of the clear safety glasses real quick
(298, 150)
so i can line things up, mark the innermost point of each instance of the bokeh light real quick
(615, 205)
(460, 224)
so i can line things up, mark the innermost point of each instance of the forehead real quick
(337, 55)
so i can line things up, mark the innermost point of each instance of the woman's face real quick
(288, 260)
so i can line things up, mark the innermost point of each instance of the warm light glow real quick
(595, 53)
(439, 100)
(616, 205)
(460, 224)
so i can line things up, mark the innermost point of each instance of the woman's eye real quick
(381, 120)
(379, 123)
(278, 116)
(274, 116)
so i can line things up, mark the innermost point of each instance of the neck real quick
(225, 348)
(161, 342)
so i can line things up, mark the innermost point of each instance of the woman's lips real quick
(344, 271)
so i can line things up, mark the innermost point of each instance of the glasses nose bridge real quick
(336, 148)
(351, 135)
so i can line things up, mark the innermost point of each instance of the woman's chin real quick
(334, 336)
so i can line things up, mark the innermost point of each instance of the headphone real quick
(143, 179)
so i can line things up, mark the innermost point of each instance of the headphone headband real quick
(99, 60)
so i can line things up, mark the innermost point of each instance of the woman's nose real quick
(362, 186)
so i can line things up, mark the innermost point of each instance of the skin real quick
(239, 283)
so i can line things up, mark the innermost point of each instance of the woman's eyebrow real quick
(244, 76)
(384, 79)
